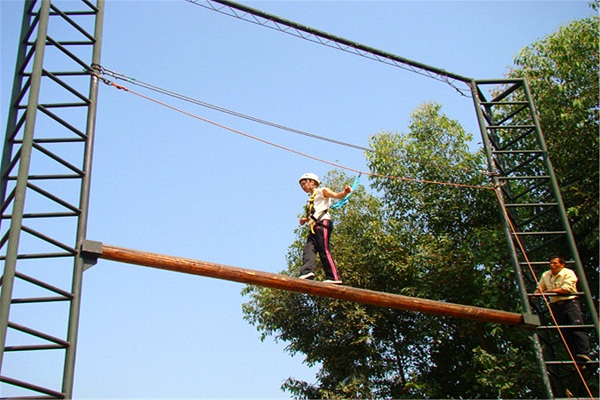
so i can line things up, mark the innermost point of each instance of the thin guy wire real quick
(337, 165)
(157, 89)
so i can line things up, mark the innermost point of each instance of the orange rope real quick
(121, 87)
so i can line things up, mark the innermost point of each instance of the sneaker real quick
(332, 281)
(310, 275)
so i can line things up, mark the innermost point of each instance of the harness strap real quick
(310, 212)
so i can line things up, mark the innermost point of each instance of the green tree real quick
(460, 254)
(562, 70)
(444, 243)
(421, 240)
(336, 334)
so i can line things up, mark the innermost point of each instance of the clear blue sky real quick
(167, 183)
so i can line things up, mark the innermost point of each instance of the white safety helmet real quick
(310, 175)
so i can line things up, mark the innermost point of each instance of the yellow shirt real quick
(565, 279)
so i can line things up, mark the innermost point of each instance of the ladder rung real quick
(548, 294)
(506, 178)
(49, 177)
(56, 140)
(544, 263)
(517, 151)
(511, 103)
(40, 299)
(40, 255)
(510, 126)
(59, 73)
(57, 105)
(570, 362)
(29, 347)
(76, 43)
(549, 327)
(540, 233)
(531, 205)
(48, 215)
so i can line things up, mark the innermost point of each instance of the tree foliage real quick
(562, 70)
(416, 239)
(440, 242)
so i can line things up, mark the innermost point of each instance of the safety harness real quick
(310, 212)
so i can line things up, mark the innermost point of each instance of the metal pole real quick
(22, 177)
(75, 310)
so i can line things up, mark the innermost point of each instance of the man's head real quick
(556, 264)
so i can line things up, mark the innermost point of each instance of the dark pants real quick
(318, 242)
(568, 312)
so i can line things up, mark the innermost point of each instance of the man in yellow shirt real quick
(561, 284)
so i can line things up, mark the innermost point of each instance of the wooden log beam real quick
(94, 250)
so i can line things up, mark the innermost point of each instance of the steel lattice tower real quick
(46, 168)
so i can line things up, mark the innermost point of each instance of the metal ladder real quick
(535, 220)
(44, 192)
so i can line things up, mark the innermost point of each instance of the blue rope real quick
(343, 201)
